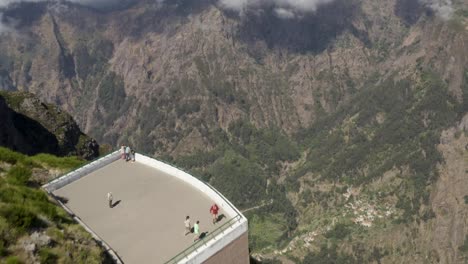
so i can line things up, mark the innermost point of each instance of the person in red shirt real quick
(214, 212)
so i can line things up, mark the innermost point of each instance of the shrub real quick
(464, 248)
(329, 255)
(13, 260)
(3, 250)
(57, 162)
(9, 156)
(19, 175)
(48, 209)
(340, 231)
(20, 217)
(46, 256)
(242, 181)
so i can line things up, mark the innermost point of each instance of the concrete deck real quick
(147, 225)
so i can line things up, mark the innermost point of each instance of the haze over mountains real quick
(350, 115)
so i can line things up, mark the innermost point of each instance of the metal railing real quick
(78, 169)
(196, 245)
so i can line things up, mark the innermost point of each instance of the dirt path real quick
(258, 206)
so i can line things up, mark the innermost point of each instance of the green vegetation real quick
(462, 12)
(19, 175)
(219, 87)
(52, 161)
(13, 260)
(187, 108)
(464, 248)
(112, 92)
(40, 127)
(25, 208)
(356, 146)
(14, 100)
(465, 92)
(393, 126)
(329, 255)
(9, 156)
(266, 230)
(114, 100)
(244, 160)
(246, 183)
(46, 256)
(339, 231)
(40, 160)
(92, 56)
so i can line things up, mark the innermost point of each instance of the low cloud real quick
(288, 9)
(8, 26)
(284, 13)
(3, 27)
(283, 8)
(94, 3)
(443, 8)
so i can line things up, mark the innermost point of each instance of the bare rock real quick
(41, 239)
(464, 123)
(31, 126)
(30, 248)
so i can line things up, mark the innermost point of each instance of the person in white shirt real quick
(127, 153)
(109, 198)
(188, 227)
(122, 152)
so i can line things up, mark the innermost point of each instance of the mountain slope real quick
(33, 228)
(32, 127)
(351, 120)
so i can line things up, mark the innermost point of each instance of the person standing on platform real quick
(109, 198)
(188, 227)
(214, 212)
(133, 155)
(122, 152)
(196, 231)
(127, 153)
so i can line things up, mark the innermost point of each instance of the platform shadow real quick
(116, 203)
(61, 199)
(203, 235)
(220, 217)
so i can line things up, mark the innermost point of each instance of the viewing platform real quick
(151, 200)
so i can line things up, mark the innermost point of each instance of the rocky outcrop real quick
(31, 126)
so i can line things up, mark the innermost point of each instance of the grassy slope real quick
(24, 208)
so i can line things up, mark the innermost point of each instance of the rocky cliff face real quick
(349, 119)
(31, 126)
(174, 69)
